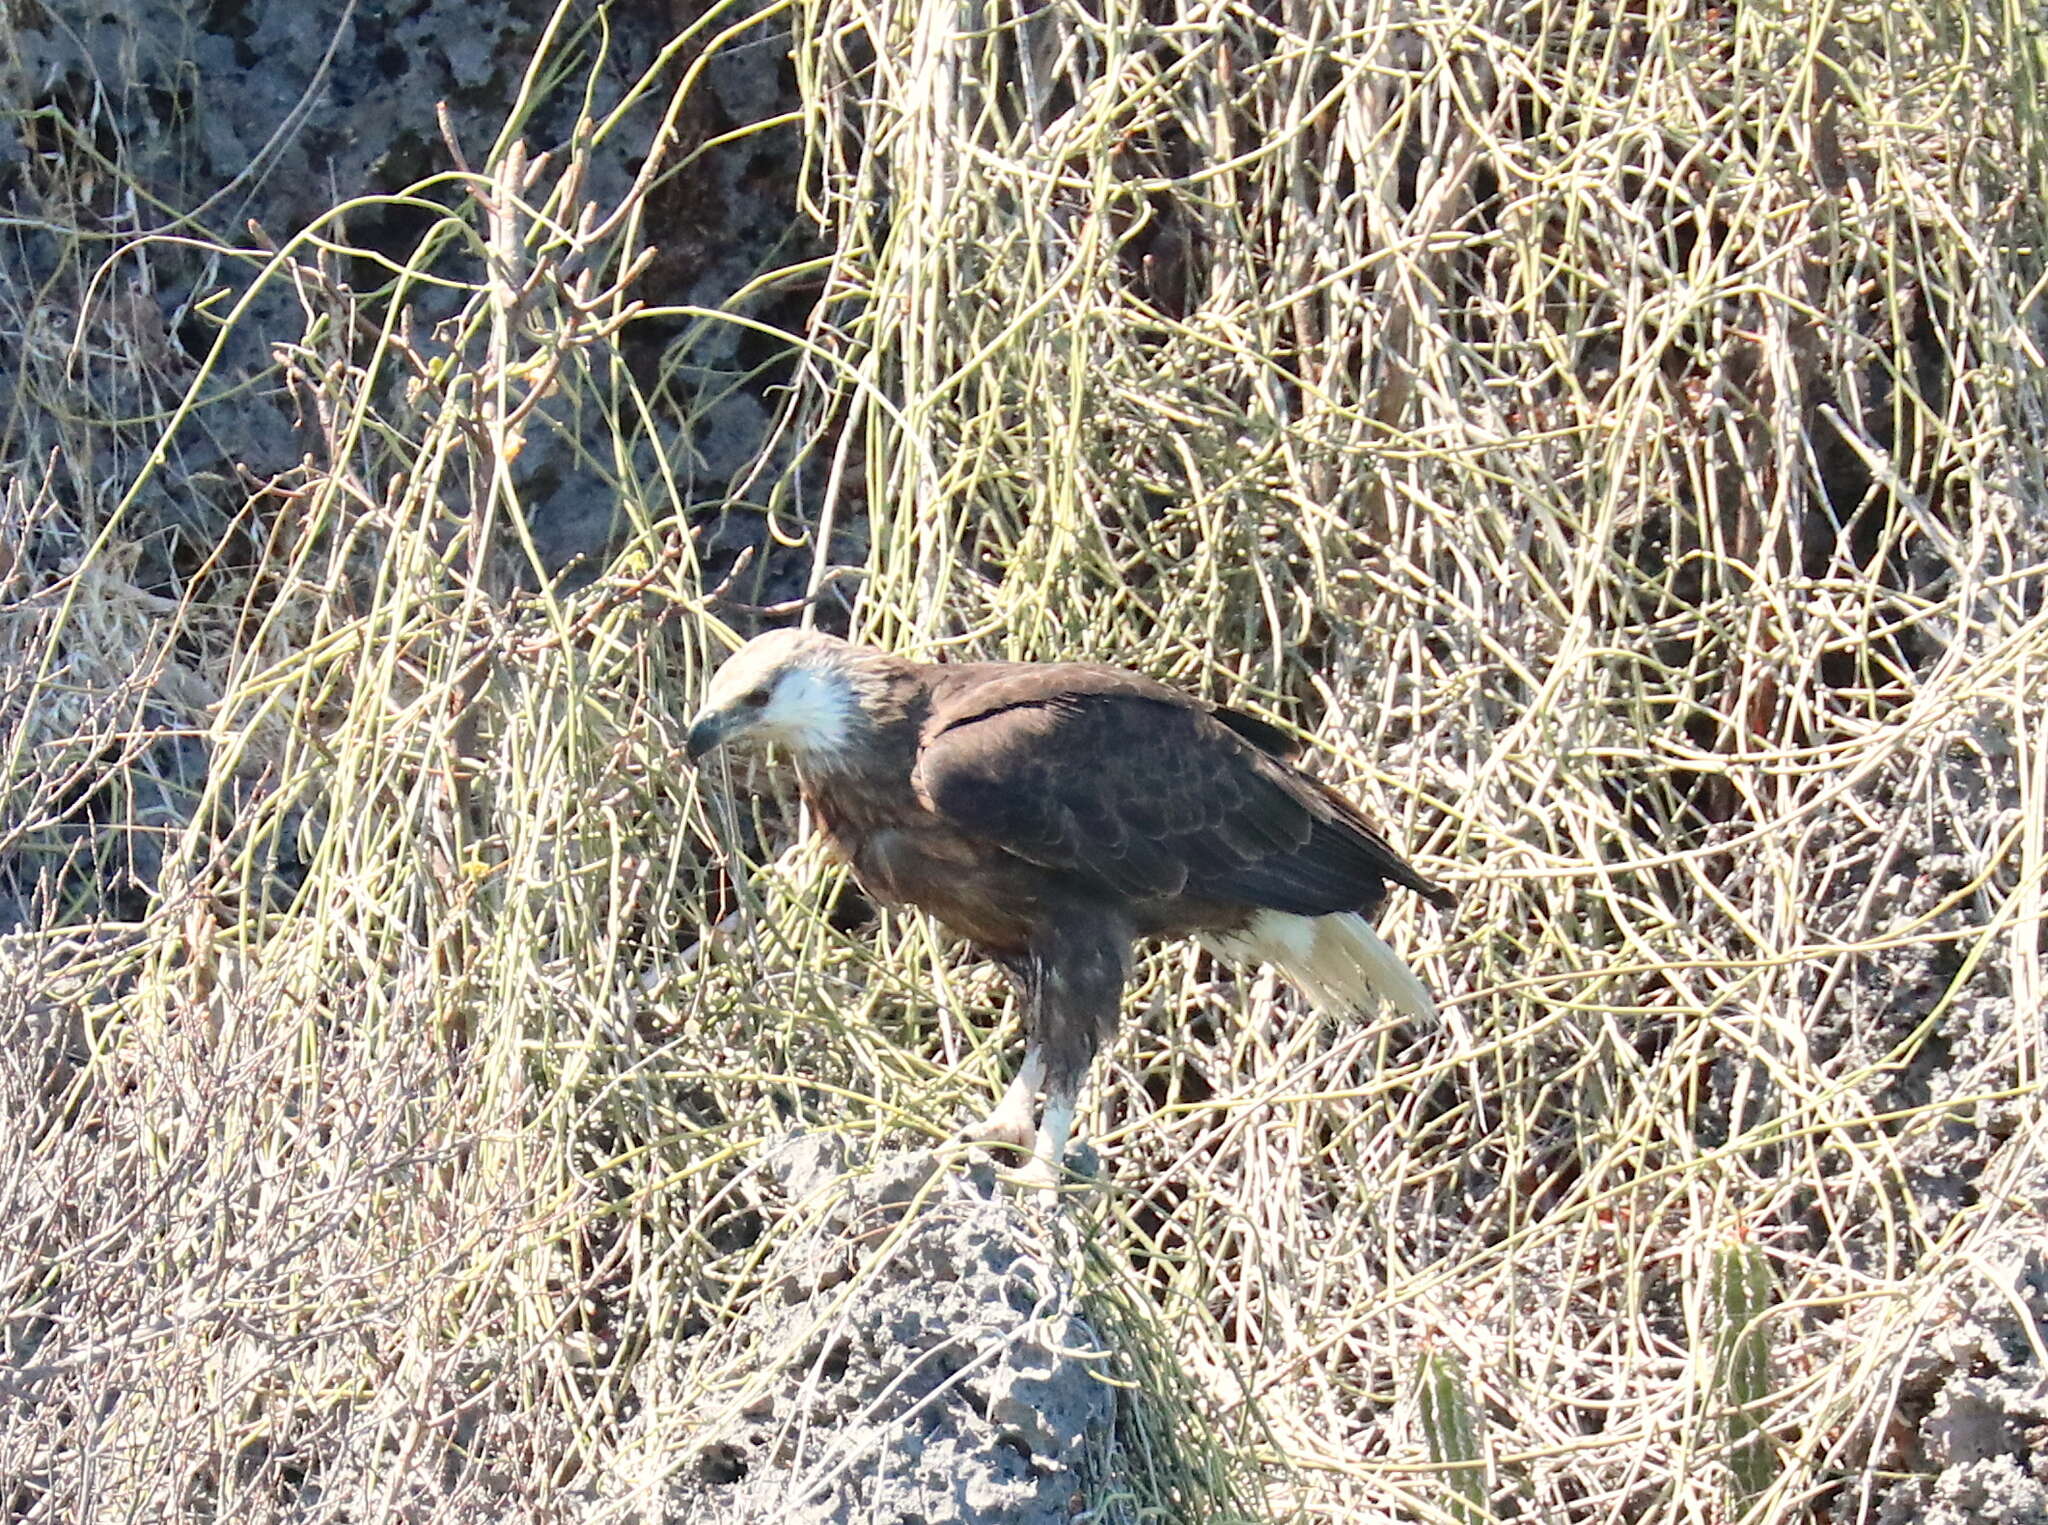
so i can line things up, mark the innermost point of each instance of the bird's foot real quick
(1011, 1131)
(1008, 1127)
(1038, 1174)
(1013, 1126)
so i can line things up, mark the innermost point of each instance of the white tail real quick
(1337, 960)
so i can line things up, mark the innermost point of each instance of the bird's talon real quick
(999, 1132)
(1038, 1174)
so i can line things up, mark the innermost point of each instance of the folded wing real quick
(1146, 794)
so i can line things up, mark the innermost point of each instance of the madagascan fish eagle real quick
(1056, 814)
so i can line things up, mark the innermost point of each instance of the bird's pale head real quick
(795, 688)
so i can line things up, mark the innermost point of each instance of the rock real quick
(1981, 1453)
(923, 1358)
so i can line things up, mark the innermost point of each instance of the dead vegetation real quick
(1613, 435)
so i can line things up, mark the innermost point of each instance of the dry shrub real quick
(1610, 434)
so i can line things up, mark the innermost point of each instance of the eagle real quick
(1057, 814)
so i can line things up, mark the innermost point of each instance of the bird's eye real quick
(757, 698)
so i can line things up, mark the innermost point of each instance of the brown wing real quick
(1144, 792)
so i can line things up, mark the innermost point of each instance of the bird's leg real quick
(1051, 1146)
(1014, 1117)
(1079, 971)
(1010, 1122)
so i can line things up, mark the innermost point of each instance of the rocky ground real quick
(1976, 1402)
(272, 113)
(923, 1356)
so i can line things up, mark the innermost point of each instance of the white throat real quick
(811, 713)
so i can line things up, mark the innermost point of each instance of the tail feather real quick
(1338, 961)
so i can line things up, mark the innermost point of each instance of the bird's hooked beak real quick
(706, 732)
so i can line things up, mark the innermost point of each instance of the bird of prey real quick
(1055, 815)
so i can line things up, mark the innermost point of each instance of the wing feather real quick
(1145, 792)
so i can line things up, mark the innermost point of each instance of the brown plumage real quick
(1055, 814)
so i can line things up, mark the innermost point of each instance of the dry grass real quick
(1615, 437)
